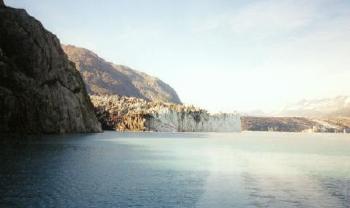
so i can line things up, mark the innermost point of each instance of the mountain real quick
(284, 124)
(40, 89)
(296, 124)
(327, 107)
(105, 78)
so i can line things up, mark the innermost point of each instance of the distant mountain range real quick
(328, 107)
(296, 124)
(318, 115)
(105, 78)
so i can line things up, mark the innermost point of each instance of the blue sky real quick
(223, 55)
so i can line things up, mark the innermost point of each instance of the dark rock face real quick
(40, 89)
(104, 78)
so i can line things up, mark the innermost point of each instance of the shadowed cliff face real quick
(104, 78)
(40, 89)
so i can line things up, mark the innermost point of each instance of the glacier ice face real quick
(132, 114)
(167, 120)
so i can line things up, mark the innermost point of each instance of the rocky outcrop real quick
(40, 89)
(132, 114)
(105, 78)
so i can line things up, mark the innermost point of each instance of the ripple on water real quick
(186, 172)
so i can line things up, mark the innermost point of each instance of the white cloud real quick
(303, 45)
(270, 17)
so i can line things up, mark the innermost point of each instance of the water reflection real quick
(176, 170)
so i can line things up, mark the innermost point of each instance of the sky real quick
(222, 55)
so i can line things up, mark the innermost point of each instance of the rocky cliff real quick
(132, 114)
(105, 78)
(40, 89)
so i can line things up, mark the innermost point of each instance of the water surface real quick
(177, 170)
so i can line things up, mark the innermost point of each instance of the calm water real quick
(177, 170)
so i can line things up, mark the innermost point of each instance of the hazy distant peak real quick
(336, 106)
